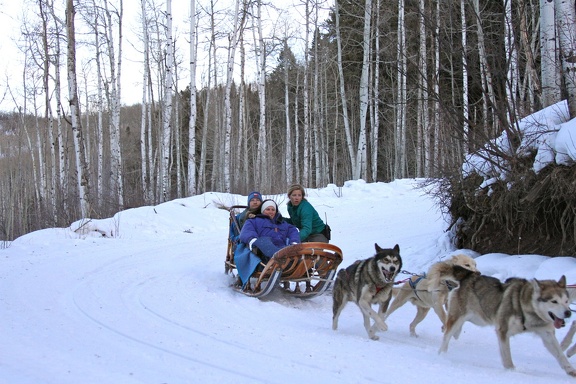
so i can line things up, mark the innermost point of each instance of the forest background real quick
(313, 91)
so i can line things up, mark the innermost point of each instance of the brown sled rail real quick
(301, 270)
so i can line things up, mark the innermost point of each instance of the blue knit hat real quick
(254, 194)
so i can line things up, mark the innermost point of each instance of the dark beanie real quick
(254, 194)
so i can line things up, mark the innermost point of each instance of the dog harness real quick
(414, 283)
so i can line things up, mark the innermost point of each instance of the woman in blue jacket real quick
(268, 231)
(304, 216)
(260, 238)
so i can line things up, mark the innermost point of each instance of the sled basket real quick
(302, 270)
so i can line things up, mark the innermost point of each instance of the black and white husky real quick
(368, 282)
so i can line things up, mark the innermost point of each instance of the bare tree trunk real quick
(306, 100)
(297, 130)
(436, 147)
(512, 62)
(48, 115)
(144, 142)
(343, 99)
(400, 158)
(167, 113)
(192, 123)
(81, 168)
(548, 54)
(318, 142)
(62, 157)
(566, 23)
(364, 94)
(465, 104)
(531, 81)
(242, 167)
(115, 97)
(489, 95)
(262, 162)
(288, 151)
(237, 29)
(207, 103)
(423, 142)
(376, 98)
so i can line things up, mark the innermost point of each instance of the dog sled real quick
(301, 270)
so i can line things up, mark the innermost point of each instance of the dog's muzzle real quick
(389, 274)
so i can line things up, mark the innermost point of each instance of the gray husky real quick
(570, 334)
(368, 282)
(513, 307)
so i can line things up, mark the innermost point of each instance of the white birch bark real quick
(145, 182)
(400, 158)
(260, 58)
(513, 75)
(48, 115)
(343, 98)
(360, 171)
(318, 144)
(241, 167)
(465, 104)
(489, 95)
(548, 54)
(306, 100)
(167, 109)
(297, 169)
(376, 98)
(41, 186)
(207, 102)
(192, 123)
(99, 106)
(423, 142)
(62, 158)
(436, 147)
(81, 169)
(566, 25)
(115, 97)
(288, 150)
(233, 39)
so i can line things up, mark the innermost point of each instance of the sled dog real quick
(570, 334)
(367, 282)
(513, 307)
(431, 290)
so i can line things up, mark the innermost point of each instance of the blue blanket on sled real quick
(246, 261)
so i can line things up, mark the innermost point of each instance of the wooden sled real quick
(302, 270)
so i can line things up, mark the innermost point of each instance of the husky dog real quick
(570, 334)
(431, 290)
(513, 307)
(367, 282)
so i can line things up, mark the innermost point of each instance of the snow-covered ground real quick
(149, 302)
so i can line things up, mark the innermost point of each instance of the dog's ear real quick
(396, 248)
(536, 286)
(378, 249)
(562, 281)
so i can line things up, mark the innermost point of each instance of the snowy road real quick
(154, 306)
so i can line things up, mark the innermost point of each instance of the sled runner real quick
(302, 270)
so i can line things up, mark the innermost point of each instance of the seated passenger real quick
(263, 235)
(305, 217)
(254, 201)
(268, 231)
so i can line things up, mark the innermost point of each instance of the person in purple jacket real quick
(268, 232)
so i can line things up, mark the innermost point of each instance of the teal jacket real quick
(305, 218)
